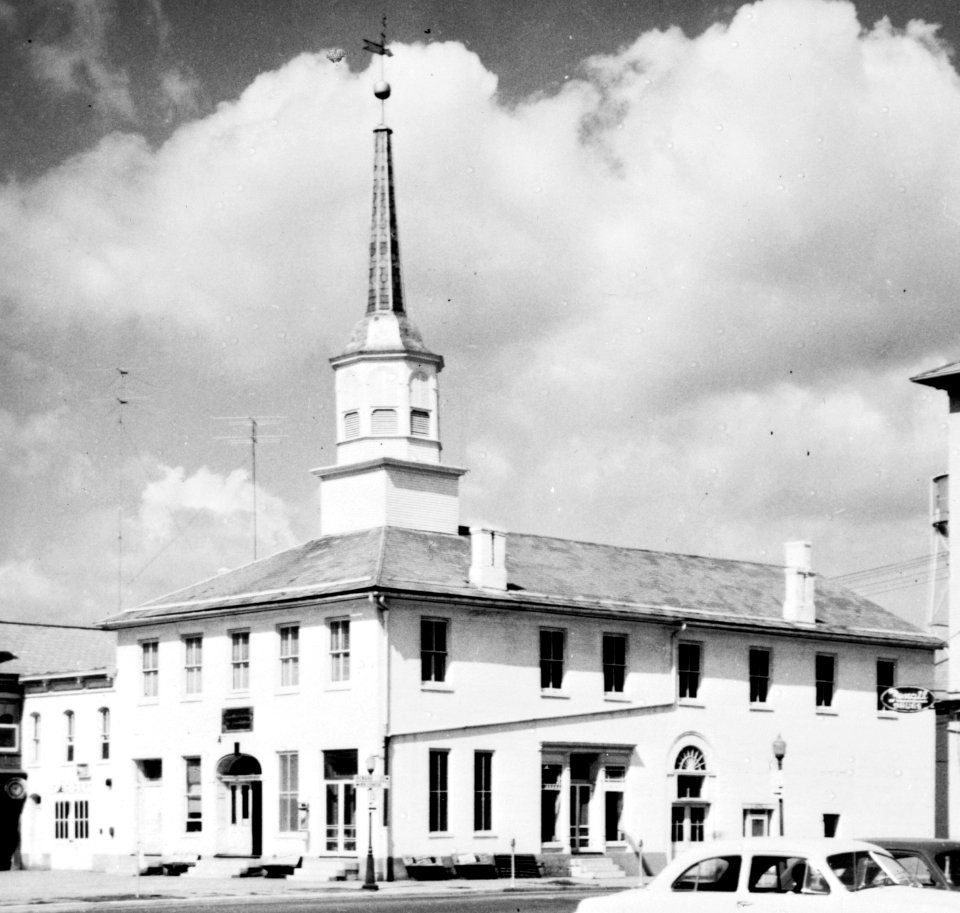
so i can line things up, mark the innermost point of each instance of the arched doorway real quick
(240, 806)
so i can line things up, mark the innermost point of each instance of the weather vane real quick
(382, 88)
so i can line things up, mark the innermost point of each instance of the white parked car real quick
(774, 874)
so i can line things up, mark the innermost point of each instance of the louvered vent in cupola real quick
(419, 423)
(383, 422)
(351, 424)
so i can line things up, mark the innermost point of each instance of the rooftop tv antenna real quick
(255, 437)
(121, 399)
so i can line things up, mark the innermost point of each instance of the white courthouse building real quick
(568, 699)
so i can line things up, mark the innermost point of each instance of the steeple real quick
(388, 470)
(386, 284)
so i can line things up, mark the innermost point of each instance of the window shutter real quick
(419, 423)
(383, 422)
(351, 424)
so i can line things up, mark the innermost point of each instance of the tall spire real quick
(388, 470)
(386, 285)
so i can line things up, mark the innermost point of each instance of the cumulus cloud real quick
(679, 299)
(77, 60)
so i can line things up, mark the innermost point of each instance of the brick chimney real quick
(488, 558)
(798, 604)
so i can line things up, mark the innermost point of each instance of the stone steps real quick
(597, 868)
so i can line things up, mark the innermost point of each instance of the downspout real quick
(384, 610)
(675, 671)
(675, 660)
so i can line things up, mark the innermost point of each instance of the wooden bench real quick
(280, 866)
(426, 868)
(178, 863)
(474, 865)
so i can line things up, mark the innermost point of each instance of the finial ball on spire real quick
(382, 90)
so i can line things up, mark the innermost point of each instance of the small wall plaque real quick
(237, 719)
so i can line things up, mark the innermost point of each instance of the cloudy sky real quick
(681, 259)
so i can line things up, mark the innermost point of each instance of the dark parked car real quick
(935, 863)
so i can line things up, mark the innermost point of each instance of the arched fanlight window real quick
(691, 758)
(691, 767)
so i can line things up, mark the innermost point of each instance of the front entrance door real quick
(341, 836)
(687, 826)
(241, 817)
(240, 806)
(71, 845)
(580, 795)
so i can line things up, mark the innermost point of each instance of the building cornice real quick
(348, 469)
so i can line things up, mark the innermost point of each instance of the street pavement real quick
(22, 891)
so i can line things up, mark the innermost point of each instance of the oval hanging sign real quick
(907, 699)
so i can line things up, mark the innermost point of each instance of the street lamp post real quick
(370, 879)
(779, 752)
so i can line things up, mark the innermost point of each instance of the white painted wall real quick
(873, 769)
(51, 778)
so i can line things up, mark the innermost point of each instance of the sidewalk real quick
(24, 890)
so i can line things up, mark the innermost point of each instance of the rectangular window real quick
(81, 819)
(340, 650)
(756, 822)
(614, 663)
(194, 800)
(826, 676)
(9, 737)
(438, 790)
(688, 669)
(433, 650)
(104, 734)
(886, 678)
(193, 664)
(614, 778)
(289, 656)
(551, 659)
(289, 791)
(150, 666)
(61, 820)
(549, 802)
(69, 733)
(482, 790)
(240, 660)
(759, 675)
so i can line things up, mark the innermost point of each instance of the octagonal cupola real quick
(388, 469)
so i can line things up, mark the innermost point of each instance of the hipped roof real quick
(543, 573)
(40, 649)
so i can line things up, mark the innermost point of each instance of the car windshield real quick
(865, 869)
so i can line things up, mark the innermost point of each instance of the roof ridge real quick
(42, 624)
(648, 551)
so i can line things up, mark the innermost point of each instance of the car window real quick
(721, 873)
(861, 870)
(785, 875)
(949, 863)
(917, 866)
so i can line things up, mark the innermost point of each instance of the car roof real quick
(915, 843)
(795, 846)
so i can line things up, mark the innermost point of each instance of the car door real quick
(706, 886)
(777, 882)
